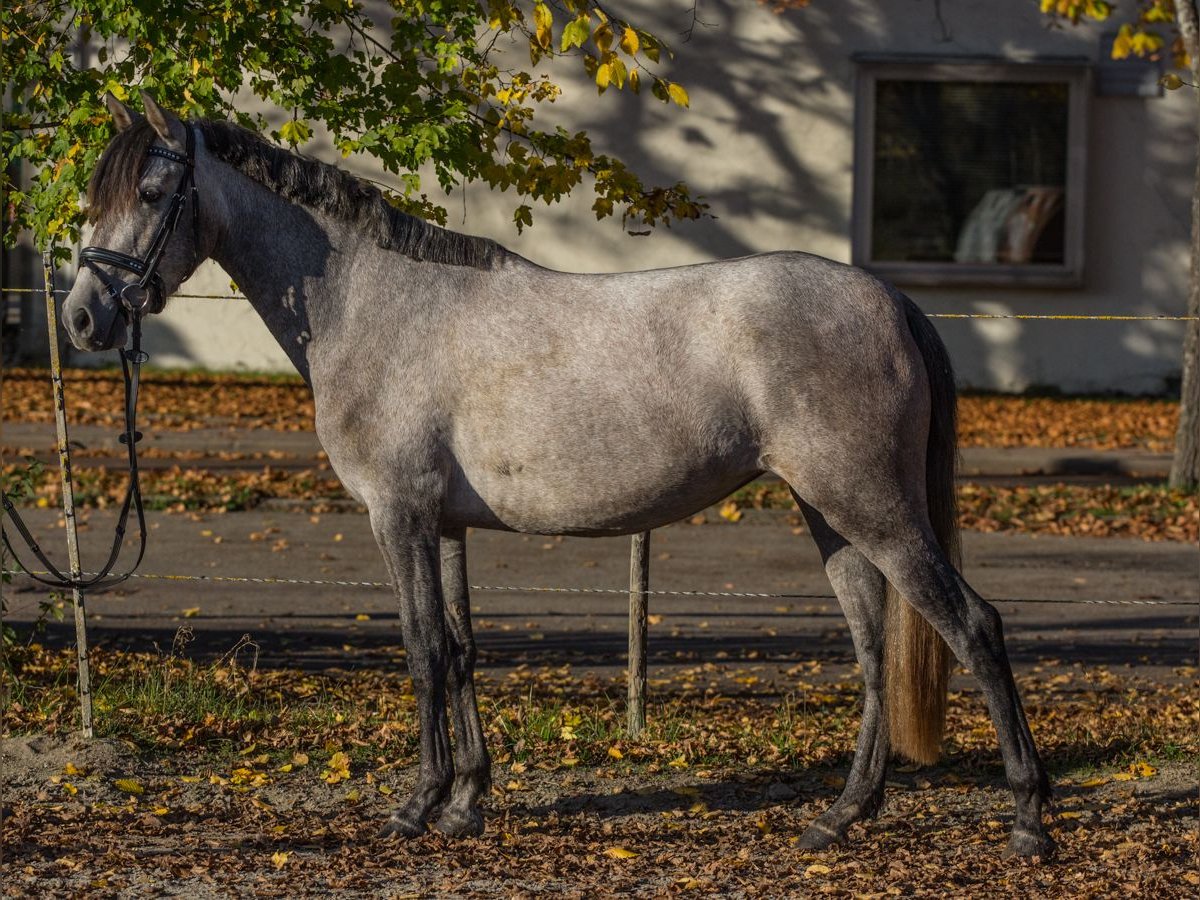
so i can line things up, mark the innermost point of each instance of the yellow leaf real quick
(1123, 776)
(161, 810)
(678, 762)
(189, 779)
(615, 753)
(385, 790)
(603, 76)
(353, 796)
(677, 93)
(518, 768)
(1094, 782)
(621, 853)
(286, 767)
(570, 761)
(195, 65)
(1070, 814)
(817, 869)
(567, 733)
(280, 858)
(338, 770)
(654, 620)
(629, 41)
(362, 617)
(300, 759)
(730, 510)
(1142, 769)
(544, 20)
(129, 786)
(191, 612)
(70, 788)
(71, 769)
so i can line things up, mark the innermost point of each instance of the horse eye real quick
(150, 195)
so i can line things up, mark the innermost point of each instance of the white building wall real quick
(769, 141)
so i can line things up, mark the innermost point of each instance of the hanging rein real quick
(146, 295)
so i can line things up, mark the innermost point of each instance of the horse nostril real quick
(81, 321)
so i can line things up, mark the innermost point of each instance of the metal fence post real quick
(68, 489)
(639, 588)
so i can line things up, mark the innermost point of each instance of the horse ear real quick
(122, 115)
(159, 119)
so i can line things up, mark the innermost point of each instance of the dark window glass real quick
(969, 172)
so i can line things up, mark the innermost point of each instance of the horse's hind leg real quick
(472, 767)
(910, 558)
(862, 592)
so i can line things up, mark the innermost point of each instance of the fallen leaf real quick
(338, 768)
(129, 786)
(280, 858)
(191, 612)
(621, 853)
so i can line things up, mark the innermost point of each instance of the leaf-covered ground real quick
(196, 400)
(220, 779)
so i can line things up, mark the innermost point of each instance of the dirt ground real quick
(591, 832)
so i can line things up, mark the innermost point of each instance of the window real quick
(970, 172)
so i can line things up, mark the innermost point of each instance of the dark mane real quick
(297, 179)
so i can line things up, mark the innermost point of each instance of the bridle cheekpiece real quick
(135, 299)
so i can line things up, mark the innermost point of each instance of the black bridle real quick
(135, 298)
(133, 301)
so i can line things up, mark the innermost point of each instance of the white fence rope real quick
(624, 592)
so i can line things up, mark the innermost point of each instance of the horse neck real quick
(291, 263)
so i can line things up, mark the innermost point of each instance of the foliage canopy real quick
(449, 86)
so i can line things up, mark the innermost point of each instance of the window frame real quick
(1077, 75)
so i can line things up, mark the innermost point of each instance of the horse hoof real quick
(461, 823)
(399, 825)
(819, 836)
(1037, 847)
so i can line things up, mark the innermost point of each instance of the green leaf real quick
(295, 131)
(576, 33)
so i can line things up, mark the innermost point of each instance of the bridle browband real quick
(134, 301)
(136, 298)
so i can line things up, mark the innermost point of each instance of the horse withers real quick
(459, 385)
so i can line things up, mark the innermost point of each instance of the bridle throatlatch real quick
(146, 295)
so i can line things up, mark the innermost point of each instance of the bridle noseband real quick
(135, 299)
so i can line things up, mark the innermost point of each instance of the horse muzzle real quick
(94, 326)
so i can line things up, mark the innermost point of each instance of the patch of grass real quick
(550, 719)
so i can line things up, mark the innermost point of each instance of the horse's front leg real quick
(408, 538)
(472, 767)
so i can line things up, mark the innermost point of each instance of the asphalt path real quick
(326, 625)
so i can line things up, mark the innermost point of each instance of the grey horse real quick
(459, 385)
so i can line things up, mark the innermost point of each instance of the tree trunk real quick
(1185, 468)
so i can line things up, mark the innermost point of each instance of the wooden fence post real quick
(68, 489)
(639, 588)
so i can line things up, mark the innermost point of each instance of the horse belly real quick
(543, 496)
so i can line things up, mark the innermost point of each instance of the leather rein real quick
(146, 295)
